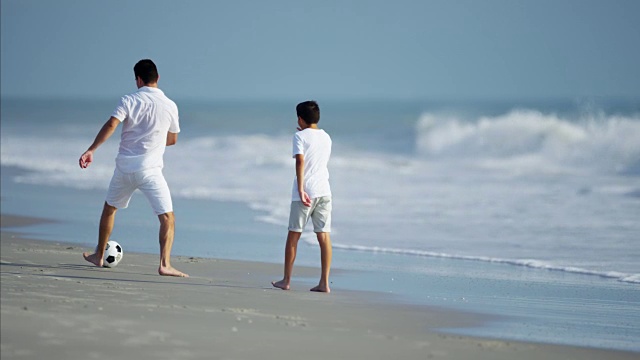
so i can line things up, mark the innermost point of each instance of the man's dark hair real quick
(309, 112)
(147, 71)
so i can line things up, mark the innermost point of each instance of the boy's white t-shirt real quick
(147, 115)
(315, 145)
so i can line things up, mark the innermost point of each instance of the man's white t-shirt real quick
(315, 145)
(147, 115)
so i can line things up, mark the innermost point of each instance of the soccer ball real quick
(112, 254)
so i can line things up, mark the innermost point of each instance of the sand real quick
(57, 306)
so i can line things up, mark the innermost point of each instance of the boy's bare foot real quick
(170, 271)
(281, 284)
(93, 258)
(321, 288)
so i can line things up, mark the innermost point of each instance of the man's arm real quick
(304, 197)
(103, 135)
(172, 138)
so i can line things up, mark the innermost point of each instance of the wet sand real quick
(57, 306)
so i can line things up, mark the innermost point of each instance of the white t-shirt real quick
(315, 145)
(147, 115)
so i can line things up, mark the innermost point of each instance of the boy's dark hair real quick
(147, 71)
(309, 112)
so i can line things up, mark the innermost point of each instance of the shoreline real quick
(55, 303)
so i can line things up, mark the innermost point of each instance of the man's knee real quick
(108, 210)
(167, 218)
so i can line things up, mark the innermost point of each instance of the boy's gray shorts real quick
(319, 212)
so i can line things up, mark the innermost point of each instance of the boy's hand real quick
(306, 200)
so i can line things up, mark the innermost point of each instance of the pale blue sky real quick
(324, 48)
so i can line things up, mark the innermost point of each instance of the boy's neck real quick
(310, 126)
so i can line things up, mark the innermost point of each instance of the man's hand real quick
(86, 159)
(105, 132)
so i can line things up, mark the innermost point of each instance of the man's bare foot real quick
(321, 288)
(281, 284)
(93, 258)
(170, 271)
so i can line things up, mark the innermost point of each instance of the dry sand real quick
(57, 306)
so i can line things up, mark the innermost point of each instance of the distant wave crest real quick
(607, 142)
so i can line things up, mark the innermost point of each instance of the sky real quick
(338, 49)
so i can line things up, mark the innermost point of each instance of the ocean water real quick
(516, 208)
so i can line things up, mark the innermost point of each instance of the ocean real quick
(525, 210)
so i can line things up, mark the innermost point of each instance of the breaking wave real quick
(607, 143)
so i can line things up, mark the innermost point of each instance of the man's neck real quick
(152, 85)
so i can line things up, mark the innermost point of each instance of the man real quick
(150, 123)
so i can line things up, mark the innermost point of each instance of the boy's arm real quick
(172, 138)
(304, 197)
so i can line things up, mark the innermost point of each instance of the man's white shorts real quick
(319, 212)
(150, 182)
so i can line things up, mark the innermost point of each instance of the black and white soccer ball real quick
(112, 254)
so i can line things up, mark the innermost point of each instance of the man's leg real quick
(106, 227)
(167, 231)
(325, 258)
(290, 251)
(152, 184)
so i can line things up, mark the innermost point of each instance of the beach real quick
(537, 238)
(484, 175)
(56, 305)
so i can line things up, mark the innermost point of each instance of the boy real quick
(311, 195)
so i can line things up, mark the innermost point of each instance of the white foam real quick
(454, 188)
(543, 140)
(531, 263)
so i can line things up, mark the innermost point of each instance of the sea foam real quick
(530, 263)
(451, 195)
(606, 143)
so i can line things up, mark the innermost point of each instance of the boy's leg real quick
(324, 239)
(106, 227)
(290, 251)
(322, 226)
(167, 232)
